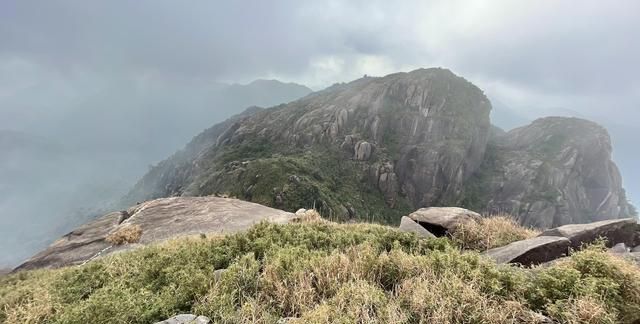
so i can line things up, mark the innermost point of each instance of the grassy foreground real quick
(321, 272)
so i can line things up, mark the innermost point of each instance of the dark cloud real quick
(60, 57)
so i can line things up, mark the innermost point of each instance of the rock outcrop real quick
(625, 231)
(425, 132)
(533, 251)
(377, 148)
(409, 225)
(557, 242)
(159, 220)
(553, 172)
(443, 220)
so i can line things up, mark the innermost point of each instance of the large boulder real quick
(409, 225)
(159, 220)
(532, 251)
(615, 231)
(363, 150)
(186, 319)
(443, 220)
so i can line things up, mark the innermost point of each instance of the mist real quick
(62, 167)
(93, 93)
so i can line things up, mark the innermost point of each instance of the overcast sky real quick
(579, 56)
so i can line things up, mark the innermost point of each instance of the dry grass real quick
(491, 232)
(584, 309)
(308, 216)
(125, 235)
(321, 272)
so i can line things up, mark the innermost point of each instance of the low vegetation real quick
(491, 232)
(316, 271)
(125, 234)
(324, 179)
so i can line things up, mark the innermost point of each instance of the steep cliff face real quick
(377, 148)
(407, 139)
(552, 172)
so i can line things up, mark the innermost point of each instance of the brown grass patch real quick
(125, 235)
(308, 216)
(492, 232)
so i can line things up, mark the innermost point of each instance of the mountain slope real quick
(555, 171)
(71, 163)
(376, 148)
(371, 148)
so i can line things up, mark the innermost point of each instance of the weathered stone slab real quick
(619, 248)
(409, 225)
(186, 319)
(532, 251)
(615, 231)
(633, 256)
(441, 221)
(159, 219)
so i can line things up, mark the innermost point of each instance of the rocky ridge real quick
(157, 220)
(621, 235)
(378, 148)
(555, 171)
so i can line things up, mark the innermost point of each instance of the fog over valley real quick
(95, 94)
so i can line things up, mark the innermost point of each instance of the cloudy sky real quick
(538, 57)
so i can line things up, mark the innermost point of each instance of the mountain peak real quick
(378, 147)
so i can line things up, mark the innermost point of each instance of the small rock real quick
(294, 178)
(351, 210)
(186, 319)
(408, 225)
(532, 251)
(633, 256)
(441, 221)
(218, 274)
(541, 319)
(348, 143)
(301, 211)
(278, 199)
(619, 248)
(636, 249)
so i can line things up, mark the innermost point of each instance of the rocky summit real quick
(553, 172)
(379, 147)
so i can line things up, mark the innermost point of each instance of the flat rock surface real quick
(633, 256)
(440, 220)
(615, 231)
(159, 220)
(531, 251)
(186, 319)
(409, 225)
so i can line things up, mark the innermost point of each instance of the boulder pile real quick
(621, 235)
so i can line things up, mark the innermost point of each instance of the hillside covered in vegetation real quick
(315, 271)
(377, 148)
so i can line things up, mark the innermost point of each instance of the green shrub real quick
(321, 272)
